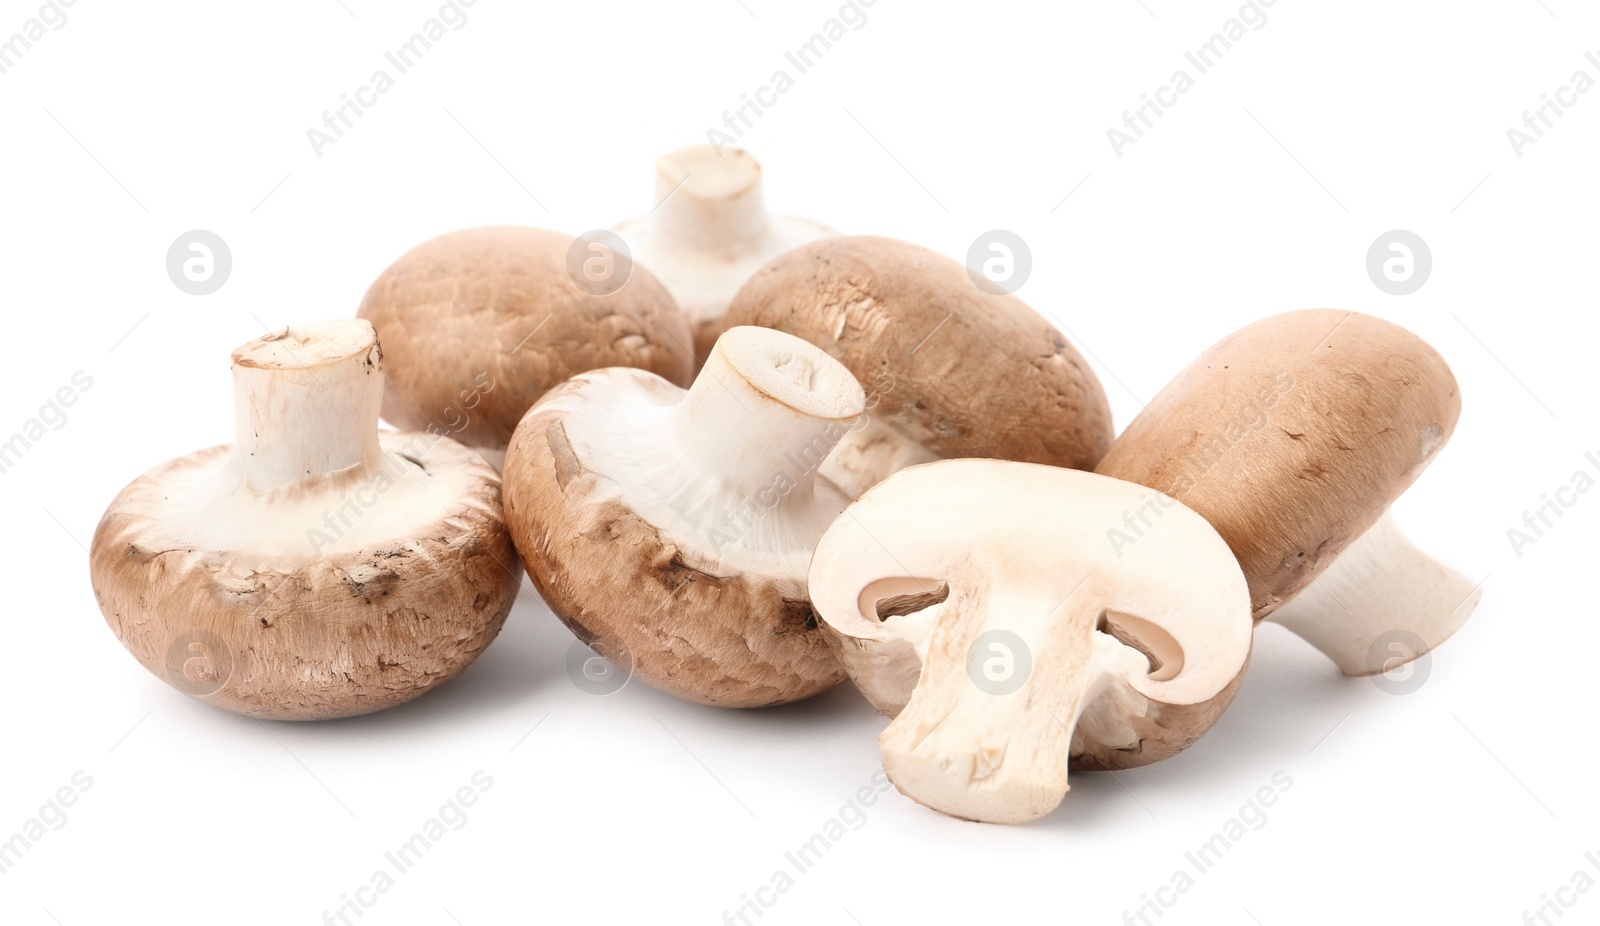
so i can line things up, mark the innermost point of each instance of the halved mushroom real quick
(978, 602)
(709, 232)
(1292, 436)
(317, 567)
(957, 371)
(478, 324)
(671, 530)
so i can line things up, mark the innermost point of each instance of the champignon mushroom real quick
(981, 599)
(671, 530)
(963, 372)
(1293, 436)
(479, 323)
(710, 231)
(317, 567)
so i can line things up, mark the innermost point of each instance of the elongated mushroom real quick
(981, 596)
(317, 567)
(671, 530)
(478, 324)
(1293, 436)
(956, 371)
(709, 232)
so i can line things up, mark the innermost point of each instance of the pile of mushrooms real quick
(764, 459)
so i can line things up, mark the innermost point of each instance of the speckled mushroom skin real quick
(1292, 436)
(974, 374)
(737, 640)
(477, 324)
(1158, 731)
(305, 637)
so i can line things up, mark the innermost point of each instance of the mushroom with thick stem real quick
(317, 567)
(709, 232)
(967, 373)
(1293, 436)
(479, 323)
(671, 530)
(981, 596)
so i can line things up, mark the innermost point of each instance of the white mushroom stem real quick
(709, 202)
(988, 731)
(1382, 603)
(734, 463)
(306, 403)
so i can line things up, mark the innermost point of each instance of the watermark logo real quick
(1399, 262)
(1405, 659)
(999, 662)
(594, 674)
(199, 262)
(199, 664)
(599, 262)
(999, 262)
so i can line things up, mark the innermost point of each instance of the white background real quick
(1462, 802)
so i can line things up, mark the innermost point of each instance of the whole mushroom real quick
(671, 530)
(976, 601)
(479, 323)
(965, 372)
(1293, 436)
(317, 567)
(710, 231)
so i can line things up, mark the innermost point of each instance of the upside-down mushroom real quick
(709, 232)
(671, 530)
(317, 567)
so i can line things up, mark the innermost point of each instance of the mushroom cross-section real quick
(710, 231)
(671, 529)
(317, 567)
(980, 598)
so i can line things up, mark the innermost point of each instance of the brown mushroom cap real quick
(1292, 436)
(671, 530)
(971, 374)
(331, 594)
(478, 324)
